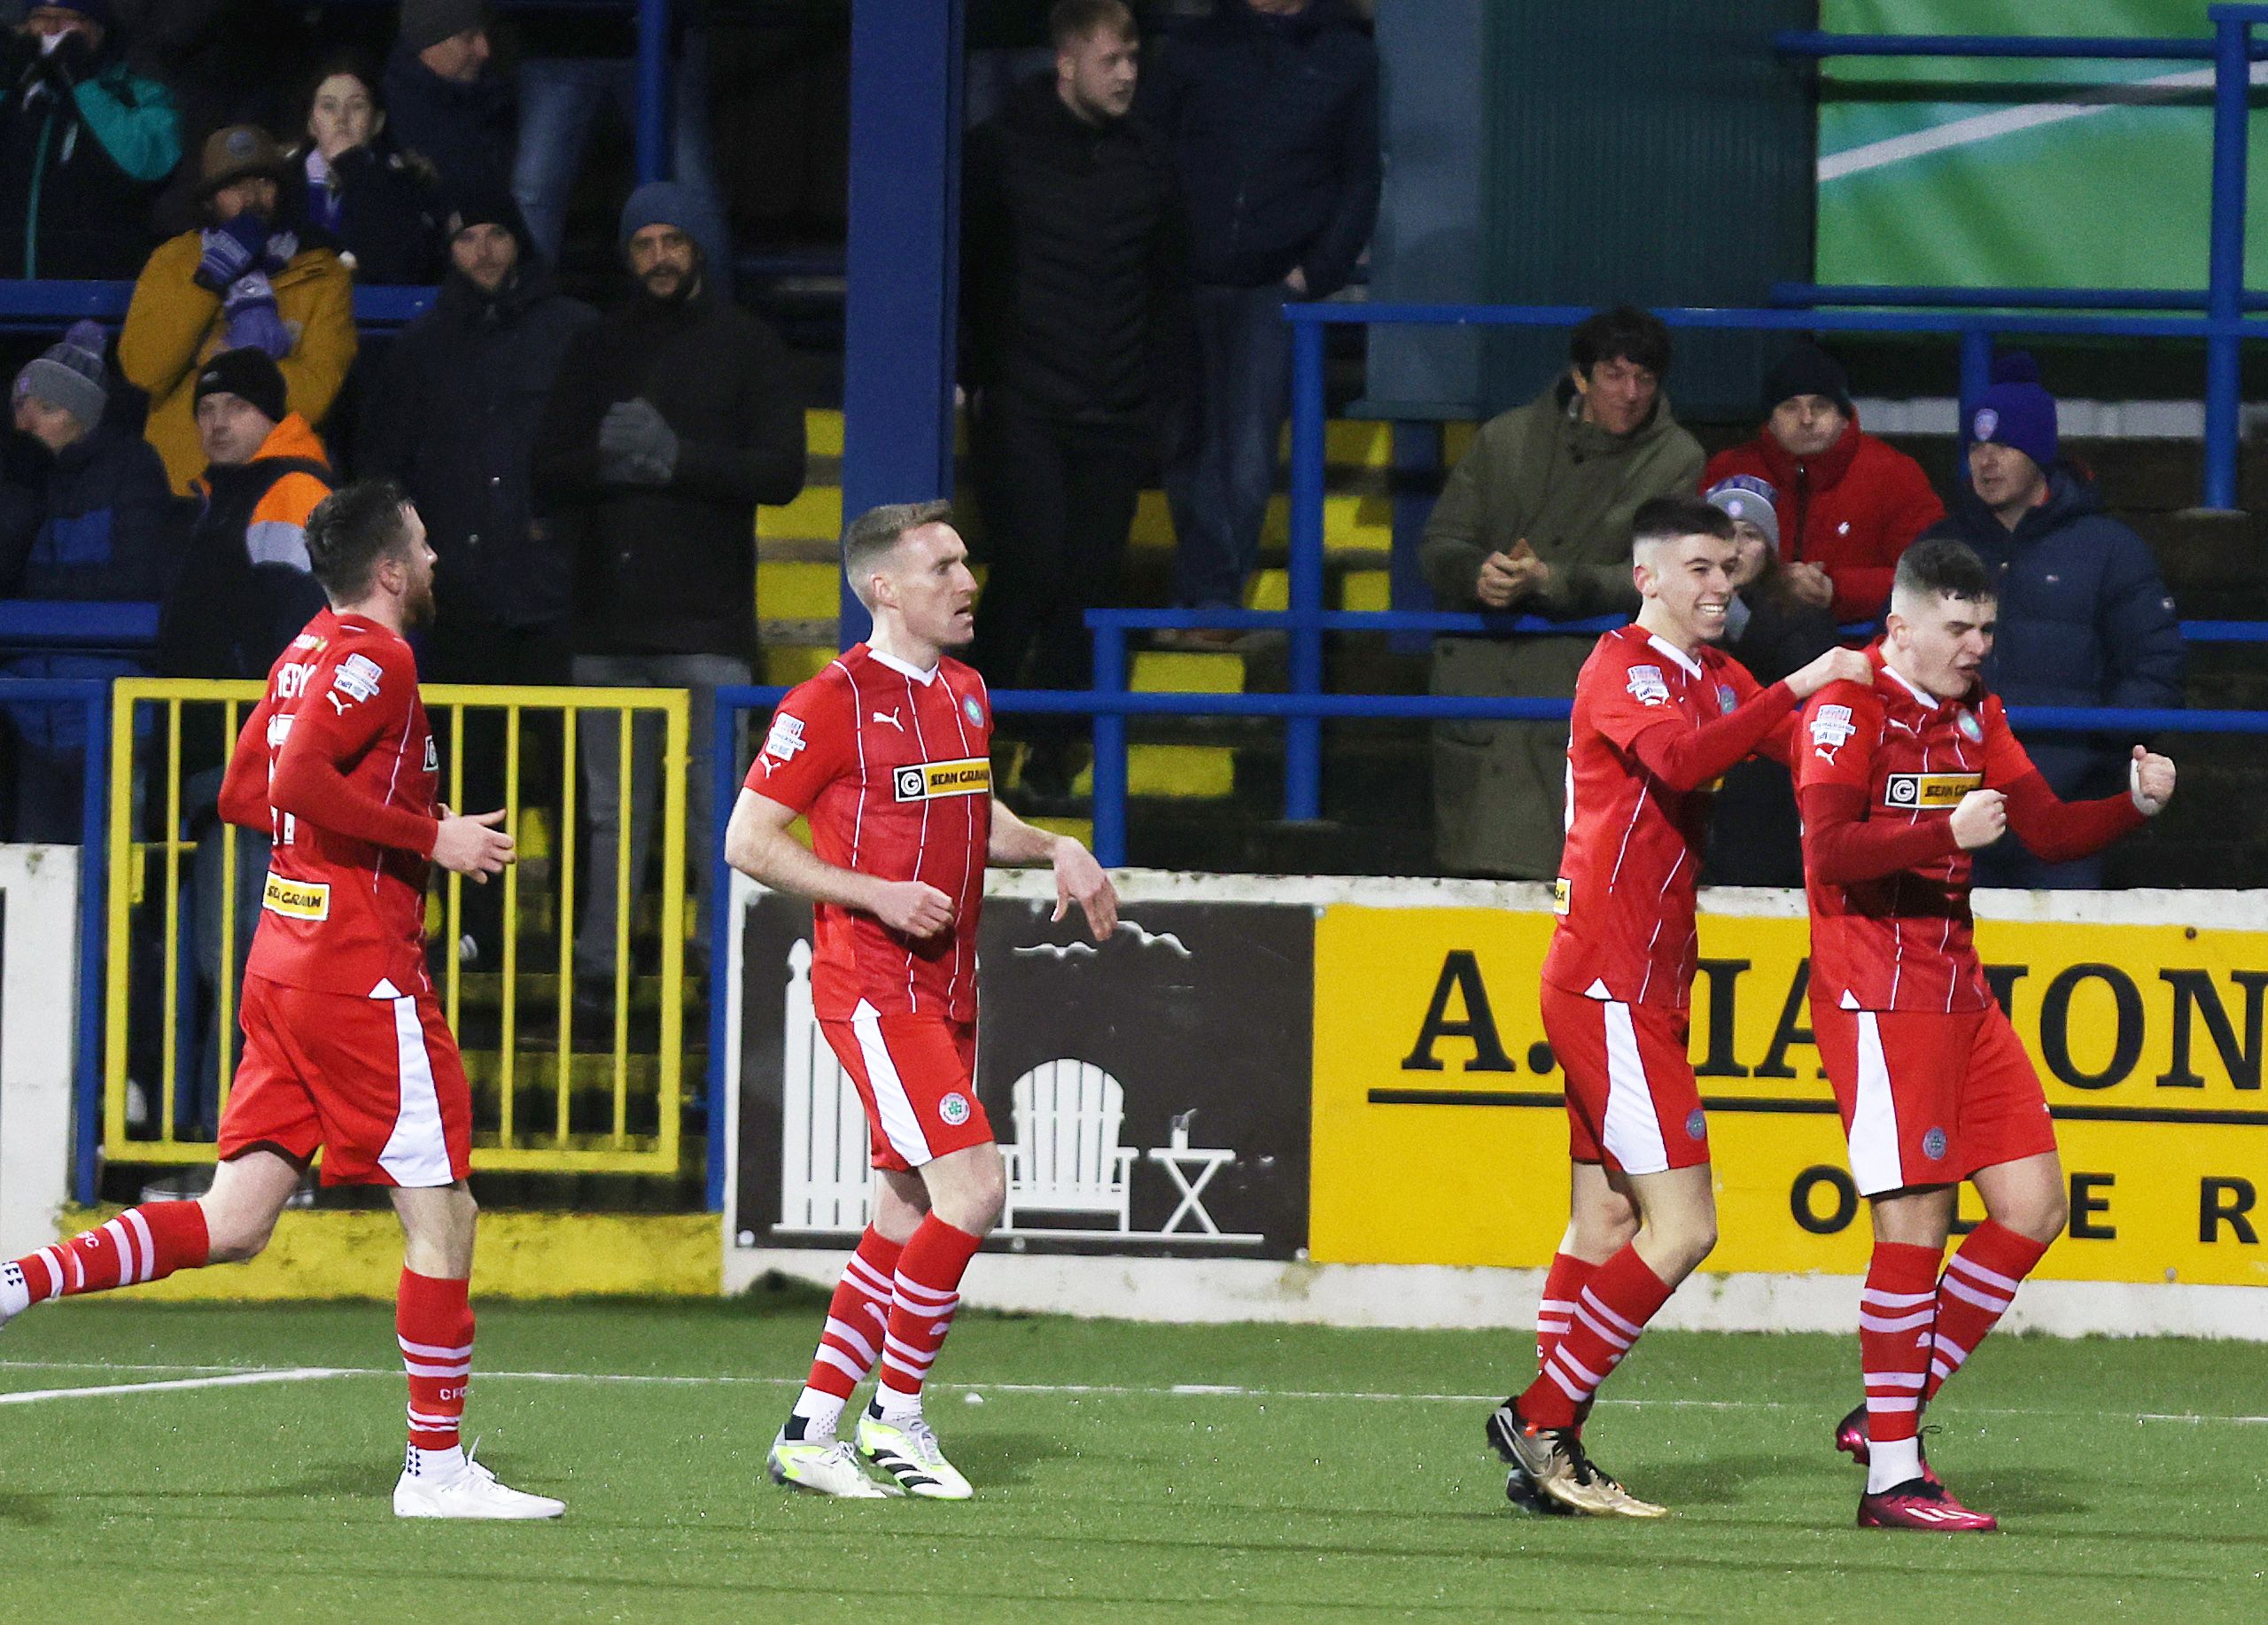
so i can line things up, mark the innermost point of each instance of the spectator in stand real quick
(376, 201)
(85, 143)
(454, 419)
(254, 277)
(1536, 520)
(2085, 618)
(1754, 837)
(573, 61)
(1073, 283)
(448, 101)
(1272, 106)
(245, 589)
(91, 521)
(673, 418)
(1849, 503)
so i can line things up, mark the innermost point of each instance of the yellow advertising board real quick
(1440, 1132)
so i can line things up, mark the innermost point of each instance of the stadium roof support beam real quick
(902, 262)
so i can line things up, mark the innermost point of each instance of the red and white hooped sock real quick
(1898, 1312)
(925, 1293)
(433, 1324)
(1979, 1282)
(147, 1243)
(1555, 1311)
(857, 1317)
(1612, 1308)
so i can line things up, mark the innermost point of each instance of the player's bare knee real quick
(237, 1237)
(2043, 1217)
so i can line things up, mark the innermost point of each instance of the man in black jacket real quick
(1272, 109)
(449, 103)
(672, 417)
(1074, 265)
(453, 418)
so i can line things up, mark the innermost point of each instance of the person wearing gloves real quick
(85, 143)
(252, 278)
(85, 517)
(673, 418)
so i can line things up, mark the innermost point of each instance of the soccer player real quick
(1659, 716)
(346, 1051)
(1898, 783)
(886, 752)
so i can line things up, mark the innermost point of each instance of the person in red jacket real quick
(1849, 503)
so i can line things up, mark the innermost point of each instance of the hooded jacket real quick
(454, 418)
(106, 530)
(670, 569)
(1852, 510)
(245, 588)
(78, 175)
(1074, 259)
(1541, 474)
(1274, 123)
(2085, 619)
(174, 326)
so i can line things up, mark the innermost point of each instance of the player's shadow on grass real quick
(1004, 1457)
(27, 1510)
(1717, 1482)
(2024, 1496)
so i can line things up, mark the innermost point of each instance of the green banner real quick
(1980, 172)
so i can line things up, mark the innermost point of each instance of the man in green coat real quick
(1536, 520)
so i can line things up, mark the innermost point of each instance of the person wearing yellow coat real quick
(245, 280)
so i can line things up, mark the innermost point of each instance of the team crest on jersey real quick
(1697, 1125)
(1933, 1144)
(1831, 730)
(1971, 729)
(930, 780)
(954, 1109)
(358, 677)
(1727, 700)
(1646, 685)
(972, 709)
(785, 738)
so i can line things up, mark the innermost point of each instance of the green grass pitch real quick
(1326, 1475)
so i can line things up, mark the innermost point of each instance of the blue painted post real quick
(1110, 749)
(94, 913)
(653, 89)
(1304, 735)
(901, 261)
(2225, 256)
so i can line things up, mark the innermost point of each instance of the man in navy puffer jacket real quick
(2085, 619)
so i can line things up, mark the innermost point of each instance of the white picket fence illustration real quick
(1068, 1158)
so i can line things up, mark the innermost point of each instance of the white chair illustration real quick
(823, 1172)
(1067, 1158)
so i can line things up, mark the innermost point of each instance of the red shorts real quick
(1631, 1102)
(1929, 1098)
(917, 1076)
(376, 1084)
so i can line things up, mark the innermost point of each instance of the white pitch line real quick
(239, 1376)
(242, 1378)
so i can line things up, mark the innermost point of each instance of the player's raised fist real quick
(2150, 781)
(473, 845)
(1836, 665)
(1981, 818)
(916, 909)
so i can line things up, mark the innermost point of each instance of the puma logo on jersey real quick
(1831, 730)
(890, 716)
(930, 781)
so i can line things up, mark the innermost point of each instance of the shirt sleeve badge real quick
(1830, 730)
(1647, 687)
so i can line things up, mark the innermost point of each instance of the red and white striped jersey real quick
(1903, 941)
(1628, 873)
(893, 768)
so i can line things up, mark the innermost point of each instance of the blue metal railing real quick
(2232, 50)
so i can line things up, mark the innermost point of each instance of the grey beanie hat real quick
(426, 23)
(1744, 497)
(69, 375)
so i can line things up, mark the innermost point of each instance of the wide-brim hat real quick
(236, 151)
